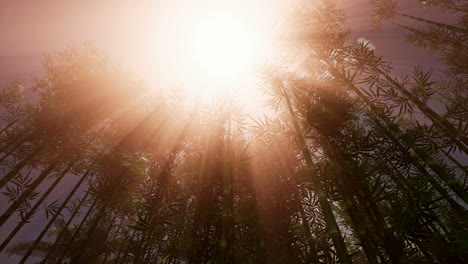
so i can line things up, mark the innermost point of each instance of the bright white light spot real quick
(221, 46)
(220, 49)
(366, 43)
(209, 48)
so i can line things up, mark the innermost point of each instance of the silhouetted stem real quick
(332, 226)
(19, 166)
(398, 134)
(25, 195)
(65, 228)
(227, 199)
(435, 23)
(32, 210)
(52, 220)
(443, 124)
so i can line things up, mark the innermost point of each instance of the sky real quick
(138, 33)
(144, 36)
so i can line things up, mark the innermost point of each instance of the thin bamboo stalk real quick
(93, 227)
(77, 231)
(312, 252)
(359, 227)
(65, 227)
(19, 166)
(227, 199)
(429, 161)
(332, 226)
(32, 210)
(24, 196)
(114, 237)
(435, 23)
(52, 220)
(443, 124)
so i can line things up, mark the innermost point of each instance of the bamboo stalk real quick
(443, 124)
(24, 196)
(52, 220)
(312, 254)
(227, 199)
(93, 227)
(65, 227)
(32, 210)
(332, 225)
(19, 166)
(435, 23)
(429, 161)
(359, 227)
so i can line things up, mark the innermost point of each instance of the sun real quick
(210, 47)
(221, 47)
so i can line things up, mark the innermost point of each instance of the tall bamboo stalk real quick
(332, 226)
(359, 226)
(65, 227)
(312, 254)
(443, 124)
(19, 166)
(52, 220)
(25, 195)
(94, 225)
(227, 199)
(435, 23)
(32, 210)
(429, 161)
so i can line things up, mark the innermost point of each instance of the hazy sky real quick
(133, 31)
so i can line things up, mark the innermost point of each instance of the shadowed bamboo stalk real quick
(383, 230)
(52, 220)
(77, 231)
(127, 249)
(91, 230)
(114, 237)
(312, 255)
(65, 227)
(348, 197)
(121, 248)
(25, 195)
(19, 166)
(332, 225)
(443, 124)
(398, 134)
(227, 199)
(435, 23)
(359, 227)
(32, 210)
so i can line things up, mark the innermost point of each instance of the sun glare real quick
(221, 47)
(217, 48)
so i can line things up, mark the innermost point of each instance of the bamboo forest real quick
(348, 158)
